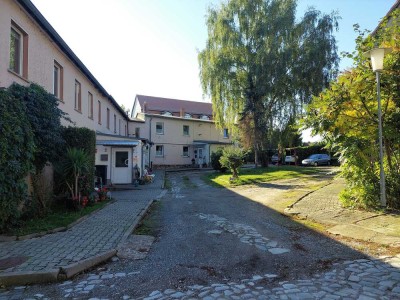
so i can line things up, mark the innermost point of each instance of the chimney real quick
(182, 113)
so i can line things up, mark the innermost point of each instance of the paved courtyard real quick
(215, 244)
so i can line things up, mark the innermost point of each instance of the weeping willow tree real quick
(260, 66)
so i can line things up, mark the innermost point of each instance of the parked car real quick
(317, 159)
(274, 158)
(290, 159)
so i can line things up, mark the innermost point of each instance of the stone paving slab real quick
(99, 233)
(323, 206)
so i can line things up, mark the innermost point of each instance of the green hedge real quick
(17, 150)
(85, 139)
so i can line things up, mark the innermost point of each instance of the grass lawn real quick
(259, 175)
(59, 217)
(151, 222)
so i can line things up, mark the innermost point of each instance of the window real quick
(204, 117)
(115, 123)
(119, 126)
(159, 150)
(160, 128)
(226, 133)
(188, 116)
(108, 118)
(58, 80)
(78, 100)
(18, 51)
(167, 113)
(185, 129)
(99, 111)
(185, 151)
(90, 105)
(126, 133)
(137, 132)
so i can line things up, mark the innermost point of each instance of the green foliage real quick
(262, 175)
(260, 66)
(232, 158)
(346, 115)
(17, 150)
(215, 157)
(73, 166)
(44, 117)
(85, 139)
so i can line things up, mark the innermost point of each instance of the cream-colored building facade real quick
(159, 131)
(31, 51)
(180, 132)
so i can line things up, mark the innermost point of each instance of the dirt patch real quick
(136, 247)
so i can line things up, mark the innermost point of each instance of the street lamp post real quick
(377, 56)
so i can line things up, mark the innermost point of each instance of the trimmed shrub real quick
(215, 157)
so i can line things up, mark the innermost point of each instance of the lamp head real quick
(377, 55)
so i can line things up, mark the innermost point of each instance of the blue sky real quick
(150, 46)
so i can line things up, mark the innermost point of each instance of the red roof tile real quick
(175, 105)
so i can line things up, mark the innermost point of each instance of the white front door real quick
(200, 156)
(121, 165)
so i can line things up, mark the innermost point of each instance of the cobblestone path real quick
(361, 279)
(98, 233)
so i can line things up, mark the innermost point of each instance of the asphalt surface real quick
(207, 236)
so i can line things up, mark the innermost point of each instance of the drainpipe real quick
(150, 142)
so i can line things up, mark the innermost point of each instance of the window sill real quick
(91, 118)
(160, 133)
(19, 76)
(79, 111)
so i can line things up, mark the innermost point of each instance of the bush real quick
(232, 158)
(215, 157)
(17, 150)
(83, 139)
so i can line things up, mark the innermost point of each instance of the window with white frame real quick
(204, 117)
(226, 133)
(159, 127)
(90, 105)
(58, 80)
(159, 150)
(78, 99)
(185, 151)
(18, 51)
(185, 129)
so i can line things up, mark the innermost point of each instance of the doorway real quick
(121, 165)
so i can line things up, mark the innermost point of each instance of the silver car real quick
(317, 159)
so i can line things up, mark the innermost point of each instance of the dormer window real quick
(205, 117)
(167, 114)
(188, 116)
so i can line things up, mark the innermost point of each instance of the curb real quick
(65, 272)
(135, 223)
(28, 277)
(4, 238)
(73, 269)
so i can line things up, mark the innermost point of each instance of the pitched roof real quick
(396, 5)
(175, 105)
(45, 25)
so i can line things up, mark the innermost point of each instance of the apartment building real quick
(180, 132)
(31, 51)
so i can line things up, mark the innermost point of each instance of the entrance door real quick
(122, 165)
(200, 156)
